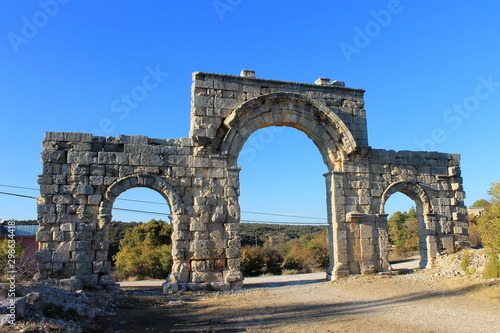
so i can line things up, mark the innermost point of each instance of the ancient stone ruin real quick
(199, 178)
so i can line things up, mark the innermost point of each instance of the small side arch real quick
(413, 190)
(426, 229)
(156, 183)
(159, 184)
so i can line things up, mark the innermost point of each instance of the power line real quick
(247, 212)
(150, 202)
(285, 215)
(139, 211)
(280, 222)
(24, 188)
(160, 203)
(18, 195)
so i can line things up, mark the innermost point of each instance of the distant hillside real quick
(258, 233)
(250, 233)
(26, 222)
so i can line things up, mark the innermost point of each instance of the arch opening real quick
(146, 251)
(403, 230)
(149, 189)
(404, 193)
(290, 190)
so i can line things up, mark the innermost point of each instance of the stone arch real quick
(412, 190)
(328, 132)
(426, 231)
(159, 184)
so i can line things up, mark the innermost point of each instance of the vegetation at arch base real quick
(145, 251)
(403, 231)
(489, 228)
(282, 254)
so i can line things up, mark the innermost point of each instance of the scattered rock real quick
(34, 301)
(106, 280)
(169, 288)
(4, 319)
(13, 304)
(70, 308)
(83, 295)
(451, 265)
(72, 284)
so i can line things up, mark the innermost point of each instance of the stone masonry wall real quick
(82, 175)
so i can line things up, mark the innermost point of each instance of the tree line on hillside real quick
(144, 248)
(258, 233)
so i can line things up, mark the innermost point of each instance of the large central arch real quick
(328, 132)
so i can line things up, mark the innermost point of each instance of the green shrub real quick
(252, 260)
(403, 231)
(489, 222)
(492, 269)
(145, 251)
(466, 261)
(57, 311)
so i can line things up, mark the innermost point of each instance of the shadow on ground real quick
(253, 285)
(258, 318)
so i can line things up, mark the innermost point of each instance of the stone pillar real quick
(339, 227)
(233, 275)
(364, 242)
(331, 261)
(383, 243)
(429, 248)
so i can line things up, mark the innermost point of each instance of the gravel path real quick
(280, 279)
(417, 302)
(407, 303)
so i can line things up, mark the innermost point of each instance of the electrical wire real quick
(285, 215)
(139, 211)
(24, 188)
(18, 195)
(280, 222)
(160, 203)
(246, 212)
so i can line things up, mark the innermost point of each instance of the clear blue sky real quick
(423, 65)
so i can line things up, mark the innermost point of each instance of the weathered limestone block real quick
(72, 284)
(106, 280)
(101, 267)
(82, 157)
(60, 256)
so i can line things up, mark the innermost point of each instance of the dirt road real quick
(404, 303)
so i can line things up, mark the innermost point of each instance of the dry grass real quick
(395, 256)
(479, 289)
